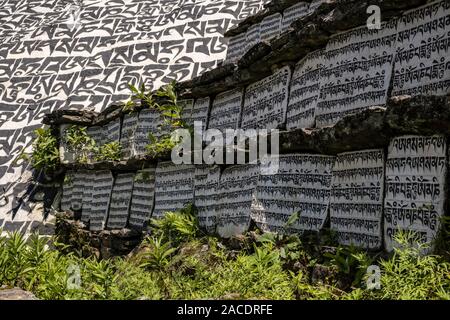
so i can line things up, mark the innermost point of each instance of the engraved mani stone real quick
(416, 174)
(226, 110)
(97, 133)
(187, 113)
(236, 189)
(174, 187)
(103, 184)
(422, 57)
(66, 154)
(88, 189)
(206, 195)
(120, 201)
(356, 207)
(236, 48)
(265, 101)
(300, 185)
(67, 190)
(142, 199)
(200, 112)
(77, 190)
(128, 135)
(356, 73)
(270, 27)
(293, 13)
(314, 5)
(253, 36)
(113, 131)
(304, 92)
(149, 122)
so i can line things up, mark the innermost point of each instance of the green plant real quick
(79, 142)
(158, 256)
(111, 151)
(45, 154)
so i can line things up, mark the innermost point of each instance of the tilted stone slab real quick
(236, 189)
(301, 185)
(88, 189)
(305, 92)
(128, 135)
(120, 201)
(416, 173)
(101, 194)
(270, 27)
(356, 208)
(265, 101)
(206, 195)
(174, 187)
(142, 200)
(357, 72)
(293, 13)
(67, 190)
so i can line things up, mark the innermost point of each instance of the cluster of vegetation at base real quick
(179, 262)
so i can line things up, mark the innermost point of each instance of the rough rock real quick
(68, 116)
(16, 294)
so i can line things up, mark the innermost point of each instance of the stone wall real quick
(357, 155)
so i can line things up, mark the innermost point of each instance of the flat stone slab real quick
(16, 294)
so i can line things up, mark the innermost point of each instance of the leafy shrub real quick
(111, 151)
(45, 153)
(80, 143)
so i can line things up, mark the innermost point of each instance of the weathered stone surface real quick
(16, 294)
(67, 116)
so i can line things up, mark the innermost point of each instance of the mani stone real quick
(174, 187)
(298, 184)
(187, 109)
(236, 47)
(120, 201)
(270, 27)
(253, 36)
(67, 190)
(422, 56)
(226, 110)
(113, 131)
(266, 101)
(356, 205)
(128, 135)
(304, 92)
(77, 190)
(66, 154)
(293, 13)
(206, 185)
(200, 112)
(356, 73)
(142, 198)
(103, 183)
(88, 189)
(236, 188)
(416, 173)
(149, 121)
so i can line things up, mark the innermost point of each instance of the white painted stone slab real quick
(304, 92)
(415, 186)
(422, 59)
(206, 195)
(271, 27)
(103, 183)
(356, 208)
(356, 73)
(88, 189)
(142, 200)
(200, 111)
(236, 190)
(128, 135)
(77, 190)
(149, 121)
(187, 106)
(226, 110)
(265, 101)
(253, 36)
(294, 13)
(67, 189)
(119, 207)
(302, 185)
(113, 131)
(236, 48)
(174, 187)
